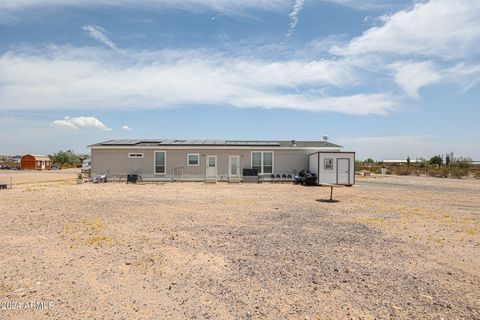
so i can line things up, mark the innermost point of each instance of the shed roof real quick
(216, 143)
(38, 157)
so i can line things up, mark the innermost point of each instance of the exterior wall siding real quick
(29, 162)
(115, 163)
(317, 162)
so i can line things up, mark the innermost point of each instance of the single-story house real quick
(35, 162)
(207, 160)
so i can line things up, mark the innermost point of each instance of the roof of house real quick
(216, 143)
(38, 157)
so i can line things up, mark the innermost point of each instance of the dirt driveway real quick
(397, 247)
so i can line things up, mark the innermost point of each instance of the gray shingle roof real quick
(219, 143)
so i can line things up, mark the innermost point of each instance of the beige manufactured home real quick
(203, 160)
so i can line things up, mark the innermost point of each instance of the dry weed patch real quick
(89, 231)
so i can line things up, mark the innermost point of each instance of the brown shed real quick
(35, 162)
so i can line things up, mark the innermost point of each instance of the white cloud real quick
(447, 29)
(360, 104)
(126, 128)
(12, 11)
(96, 79)
(411, 76)
(220, 5)
(99, 34)
(193, 5)
(76, 123)
(297, 8)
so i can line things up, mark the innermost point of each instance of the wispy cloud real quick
(99, 34)
(89, 79)
(411, 76)
(76, 123)
(297, 8)
(126, 128)
(437, 28)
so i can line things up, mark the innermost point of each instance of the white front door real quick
(211, 167)
(343, 171)
(43, 165)
(234, 166)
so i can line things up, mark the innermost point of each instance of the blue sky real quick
(388, 79)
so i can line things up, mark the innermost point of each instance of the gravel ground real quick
(392, 248)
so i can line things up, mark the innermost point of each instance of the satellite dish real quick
(325, 137)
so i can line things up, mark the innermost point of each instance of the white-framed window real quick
(193, 159)
(262, 161)
(328, 164)
(135, 155)
(160, 162)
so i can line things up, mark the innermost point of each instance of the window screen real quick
(328, 164)
(257, 161)
(262, 161)
(193, 159)
(160, 162)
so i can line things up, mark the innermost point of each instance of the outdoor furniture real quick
(331, 186)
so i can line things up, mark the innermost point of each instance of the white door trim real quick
(230, 167)
(348, 170)
(206, 166)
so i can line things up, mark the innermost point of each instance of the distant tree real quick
(436, 160)
(447, 160)
(63, 158)
(422, 162)
(462, 162)
(408, 161)
(370, 161)
(358, 165)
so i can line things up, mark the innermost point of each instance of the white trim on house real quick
(230, 157)
(155, 162)
(135, 155)
(261, 160)
(188, 159)
(206, 166)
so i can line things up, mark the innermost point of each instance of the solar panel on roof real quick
(129, 142)
(152, 141)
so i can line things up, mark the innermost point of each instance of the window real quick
(211, 162)
(135, 155)
(268, 162)
(193, 159)
(262, 161)
(257, 161)
(160, 161)
(328, 164)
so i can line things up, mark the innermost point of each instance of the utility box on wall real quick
(333, 167)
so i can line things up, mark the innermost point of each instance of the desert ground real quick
(392, 248)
